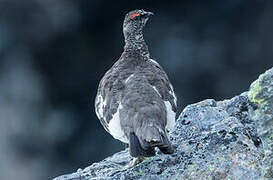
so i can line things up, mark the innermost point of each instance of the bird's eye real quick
(134, 15)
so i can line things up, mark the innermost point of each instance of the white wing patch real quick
(172, 93)
(115, 127)
(170, 113)
(132, 75)
(100, 106)
(154, 61)
(156, 90)
(170, 116)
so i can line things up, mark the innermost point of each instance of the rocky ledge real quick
(230, 139)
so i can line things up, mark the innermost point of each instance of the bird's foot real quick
(135, 161)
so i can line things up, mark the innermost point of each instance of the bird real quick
(135, 101)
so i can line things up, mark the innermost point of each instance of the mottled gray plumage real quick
(134, 94)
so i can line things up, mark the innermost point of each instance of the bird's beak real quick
(149, 14)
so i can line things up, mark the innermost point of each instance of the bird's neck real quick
(135, 42)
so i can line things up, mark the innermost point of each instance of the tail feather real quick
(147, 139)
(136, 150)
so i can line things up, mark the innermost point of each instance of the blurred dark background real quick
(54, 52)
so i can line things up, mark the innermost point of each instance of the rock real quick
(261, 93)
(230, 139)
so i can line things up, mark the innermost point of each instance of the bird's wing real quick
(109, 91)
(159, 80)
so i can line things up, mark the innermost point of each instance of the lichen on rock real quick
(255, 91)
(261, 93)
(227, 139)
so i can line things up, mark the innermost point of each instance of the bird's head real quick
(135, 21)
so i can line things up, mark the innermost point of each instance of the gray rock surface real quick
(261, 93)
(230, 139)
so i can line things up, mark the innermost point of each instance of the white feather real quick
(156, 90)
(132, 75)
(170, 116)
(154, 61)
(138, 37)
(170, 113)
(174, 96)
(115, 127)
(100, 106)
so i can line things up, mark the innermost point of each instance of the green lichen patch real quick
(139, 173)
(211, 167)
(255, 90)
(192, 167)
(222, 159)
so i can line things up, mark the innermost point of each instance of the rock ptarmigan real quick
(135, 102)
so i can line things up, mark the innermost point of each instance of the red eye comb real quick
(134, 15)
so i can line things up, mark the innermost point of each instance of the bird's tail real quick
(143, 142)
